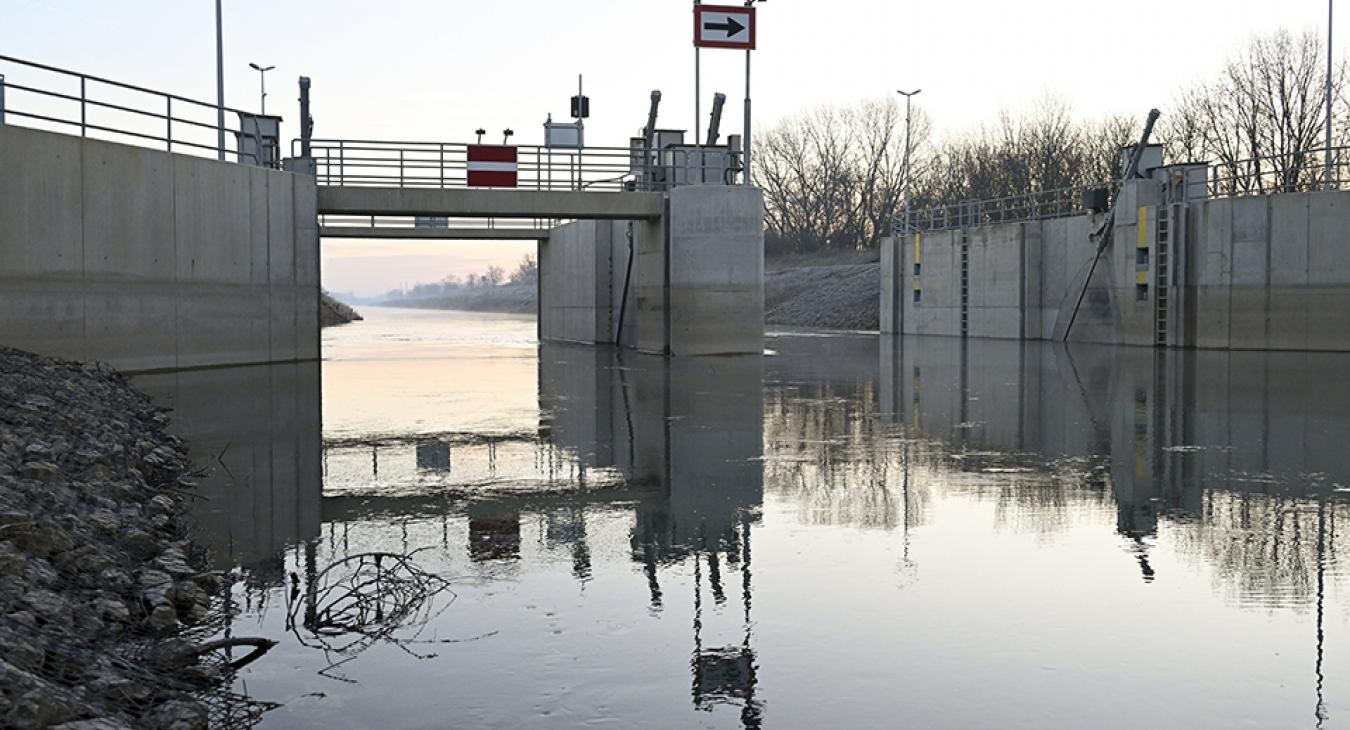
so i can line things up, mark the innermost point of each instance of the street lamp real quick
(1326, 174)
(746, 132)
(909, 97)
(262, 83)
(220, 86)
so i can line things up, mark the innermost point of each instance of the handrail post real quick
(2, 98)
(442, 148)
(400, 167)
(342, 163)
(168, 123)
(82, 115)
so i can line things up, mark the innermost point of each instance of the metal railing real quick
(1299, 172)
(377, 163)
(57, 99)
(435, 222)
(1046, 204)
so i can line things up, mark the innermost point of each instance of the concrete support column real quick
(697, 280)
(892, 306)
(715, 270)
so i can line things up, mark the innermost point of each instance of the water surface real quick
(852, 531)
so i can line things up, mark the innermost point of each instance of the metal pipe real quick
(649, 135)
(220, 87)
(306, 121)
(2, 98)
(83, 96)
(715, 119)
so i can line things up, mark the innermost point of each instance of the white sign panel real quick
(724, 26)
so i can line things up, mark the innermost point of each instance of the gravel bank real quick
(845, 297)
(102, 595)
(332, 312)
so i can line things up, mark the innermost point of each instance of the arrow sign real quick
(731, 27)
(724, 26)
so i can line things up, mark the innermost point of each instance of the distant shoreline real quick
(836, 296)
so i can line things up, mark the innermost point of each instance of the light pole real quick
(746, 139)
(909, 97)
(220, 87)
(1326, 173)
(262, 83)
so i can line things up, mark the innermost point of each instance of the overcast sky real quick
(436, 70)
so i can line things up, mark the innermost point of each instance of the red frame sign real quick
(492, 166)
(741, 10)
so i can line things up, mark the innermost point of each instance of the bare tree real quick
(1261, 121)
(832, 178)
(495, 276)
(526, 271)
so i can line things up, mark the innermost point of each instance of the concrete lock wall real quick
(697, 279)
(1267, 273)
(148, 260)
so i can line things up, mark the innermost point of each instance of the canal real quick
(447, 525)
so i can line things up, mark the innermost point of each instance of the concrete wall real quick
(152, 261)
(938, 310)
(697, 284)
(1272, 272)
(576, 281)
(1269, 272)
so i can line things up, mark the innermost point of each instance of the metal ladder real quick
(1162, 278)
(965, 283)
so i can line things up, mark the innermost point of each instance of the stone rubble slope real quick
(99, 584)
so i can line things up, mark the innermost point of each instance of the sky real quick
(437, 70)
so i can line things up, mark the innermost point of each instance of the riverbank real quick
(843, 296)
(102, 593)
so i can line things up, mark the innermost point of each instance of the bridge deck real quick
(488, 203)
(442, 234)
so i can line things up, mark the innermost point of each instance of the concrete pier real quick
(696, 285)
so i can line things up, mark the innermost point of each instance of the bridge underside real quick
(438, 234)
(488, 203)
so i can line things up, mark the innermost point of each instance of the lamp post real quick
(909, 97)
(745, 141)
(262, 83)
(220, 87)
(1326, 173)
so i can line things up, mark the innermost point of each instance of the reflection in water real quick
(254, 433)
(943, 534)
(689, 432)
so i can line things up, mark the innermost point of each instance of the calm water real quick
(851, 532)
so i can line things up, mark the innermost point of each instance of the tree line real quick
(526, 272)
(833, 177)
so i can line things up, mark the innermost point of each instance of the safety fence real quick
(1057, 203)
(56, 99)
(1297, 172)
(377, 163)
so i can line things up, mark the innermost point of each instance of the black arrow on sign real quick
(731, 27)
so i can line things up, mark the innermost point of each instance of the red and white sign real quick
(492, 166)
(724, 26)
